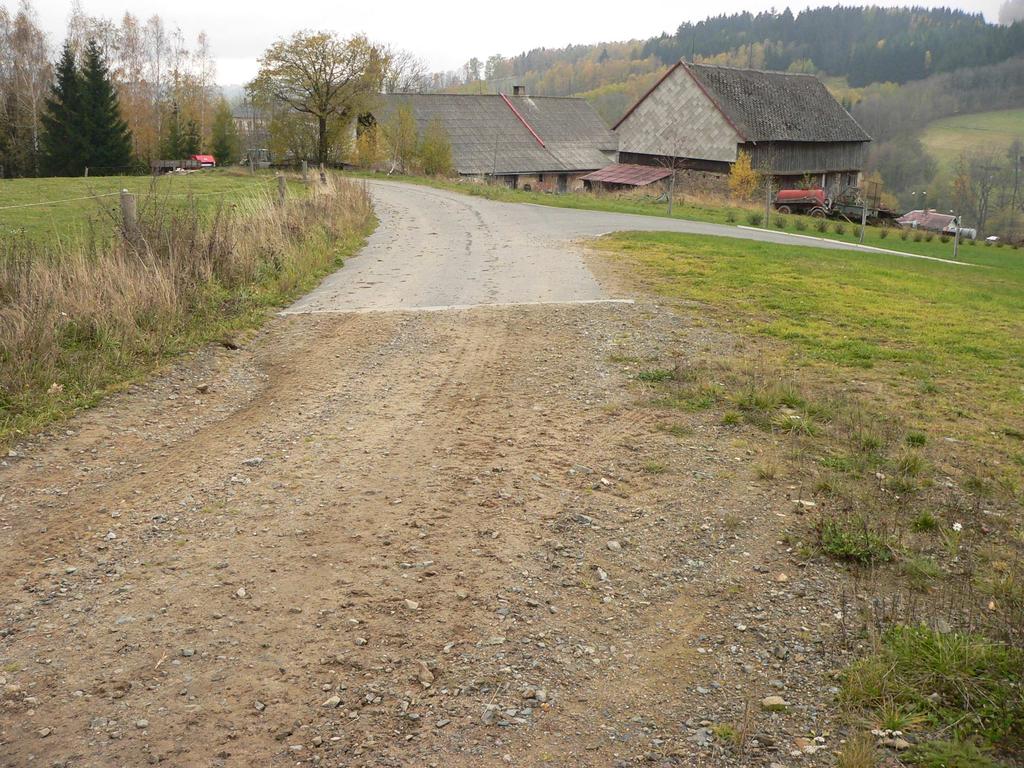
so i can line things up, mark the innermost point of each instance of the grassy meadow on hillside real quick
(53, 209)
(948, 138)
(889, 392)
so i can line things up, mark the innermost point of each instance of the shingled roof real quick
(771, 106)
(495, 134)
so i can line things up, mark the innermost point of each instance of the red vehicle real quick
(809, 202)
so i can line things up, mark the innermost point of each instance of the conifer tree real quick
(191, 143)
(172, 145)
(62, 140)
(225, 141)
(108, 142)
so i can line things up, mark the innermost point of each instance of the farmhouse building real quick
(524, 141)
(699, 117)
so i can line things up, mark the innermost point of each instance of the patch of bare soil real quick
(449, 539)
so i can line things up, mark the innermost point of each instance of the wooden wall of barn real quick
(792, 157)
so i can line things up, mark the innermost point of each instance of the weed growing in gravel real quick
(950, 754)
(654, 376)
(853, 539)
(732, 418)
(676, 430)
(924, 521)
(911, 464)
(921, 572)
(916, 439)
(963, 683)
(858, 752)
(843, 464)
(890, 716)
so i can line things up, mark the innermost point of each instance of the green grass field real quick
(957, 329)
(68, 219)
(889, 391)
(946, 139)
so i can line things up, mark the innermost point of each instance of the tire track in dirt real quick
(385, 538)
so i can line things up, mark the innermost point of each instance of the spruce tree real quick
(173, 142)
(108, 139)
(226, 145)
(63, 135)
(191, 141)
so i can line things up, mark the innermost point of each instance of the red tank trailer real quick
(809, 202)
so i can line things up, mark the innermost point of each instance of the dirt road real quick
(448, 538)
(437, 249)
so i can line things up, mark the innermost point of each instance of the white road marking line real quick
(857, 246)
(452, 307)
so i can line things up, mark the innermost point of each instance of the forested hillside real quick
(862, 45)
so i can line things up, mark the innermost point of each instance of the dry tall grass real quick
(73, 324)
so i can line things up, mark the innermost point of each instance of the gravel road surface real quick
(456, 538)
(440, 249)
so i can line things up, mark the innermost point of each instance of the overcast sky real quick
(446, 33)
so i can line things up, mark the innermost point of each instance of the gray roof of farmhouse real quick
(487, 136)
(769, 106)
(777, 106)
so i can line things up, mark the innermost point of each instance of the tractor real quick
(846, 205)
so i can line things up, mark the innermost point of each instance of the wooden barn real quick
(699, 117)
(539, 142)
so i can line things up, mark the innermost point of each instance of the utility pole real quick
(671, 187)
(494, 162)
(1016, 190)
(956, 237)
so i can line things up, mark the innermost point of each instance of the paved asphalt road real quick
(439, 249)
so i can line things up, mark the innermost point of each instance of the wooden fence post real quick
(323, 174)
(129, 218)
(282, 189)
(305, 172)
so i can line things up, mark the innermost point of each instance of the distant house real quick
(620, 176)
(524, 141)
(933, 221)
(252, 126)
(699, 117)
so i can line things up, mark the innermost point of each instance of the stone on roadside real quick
(424, 675)
(774, 704)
